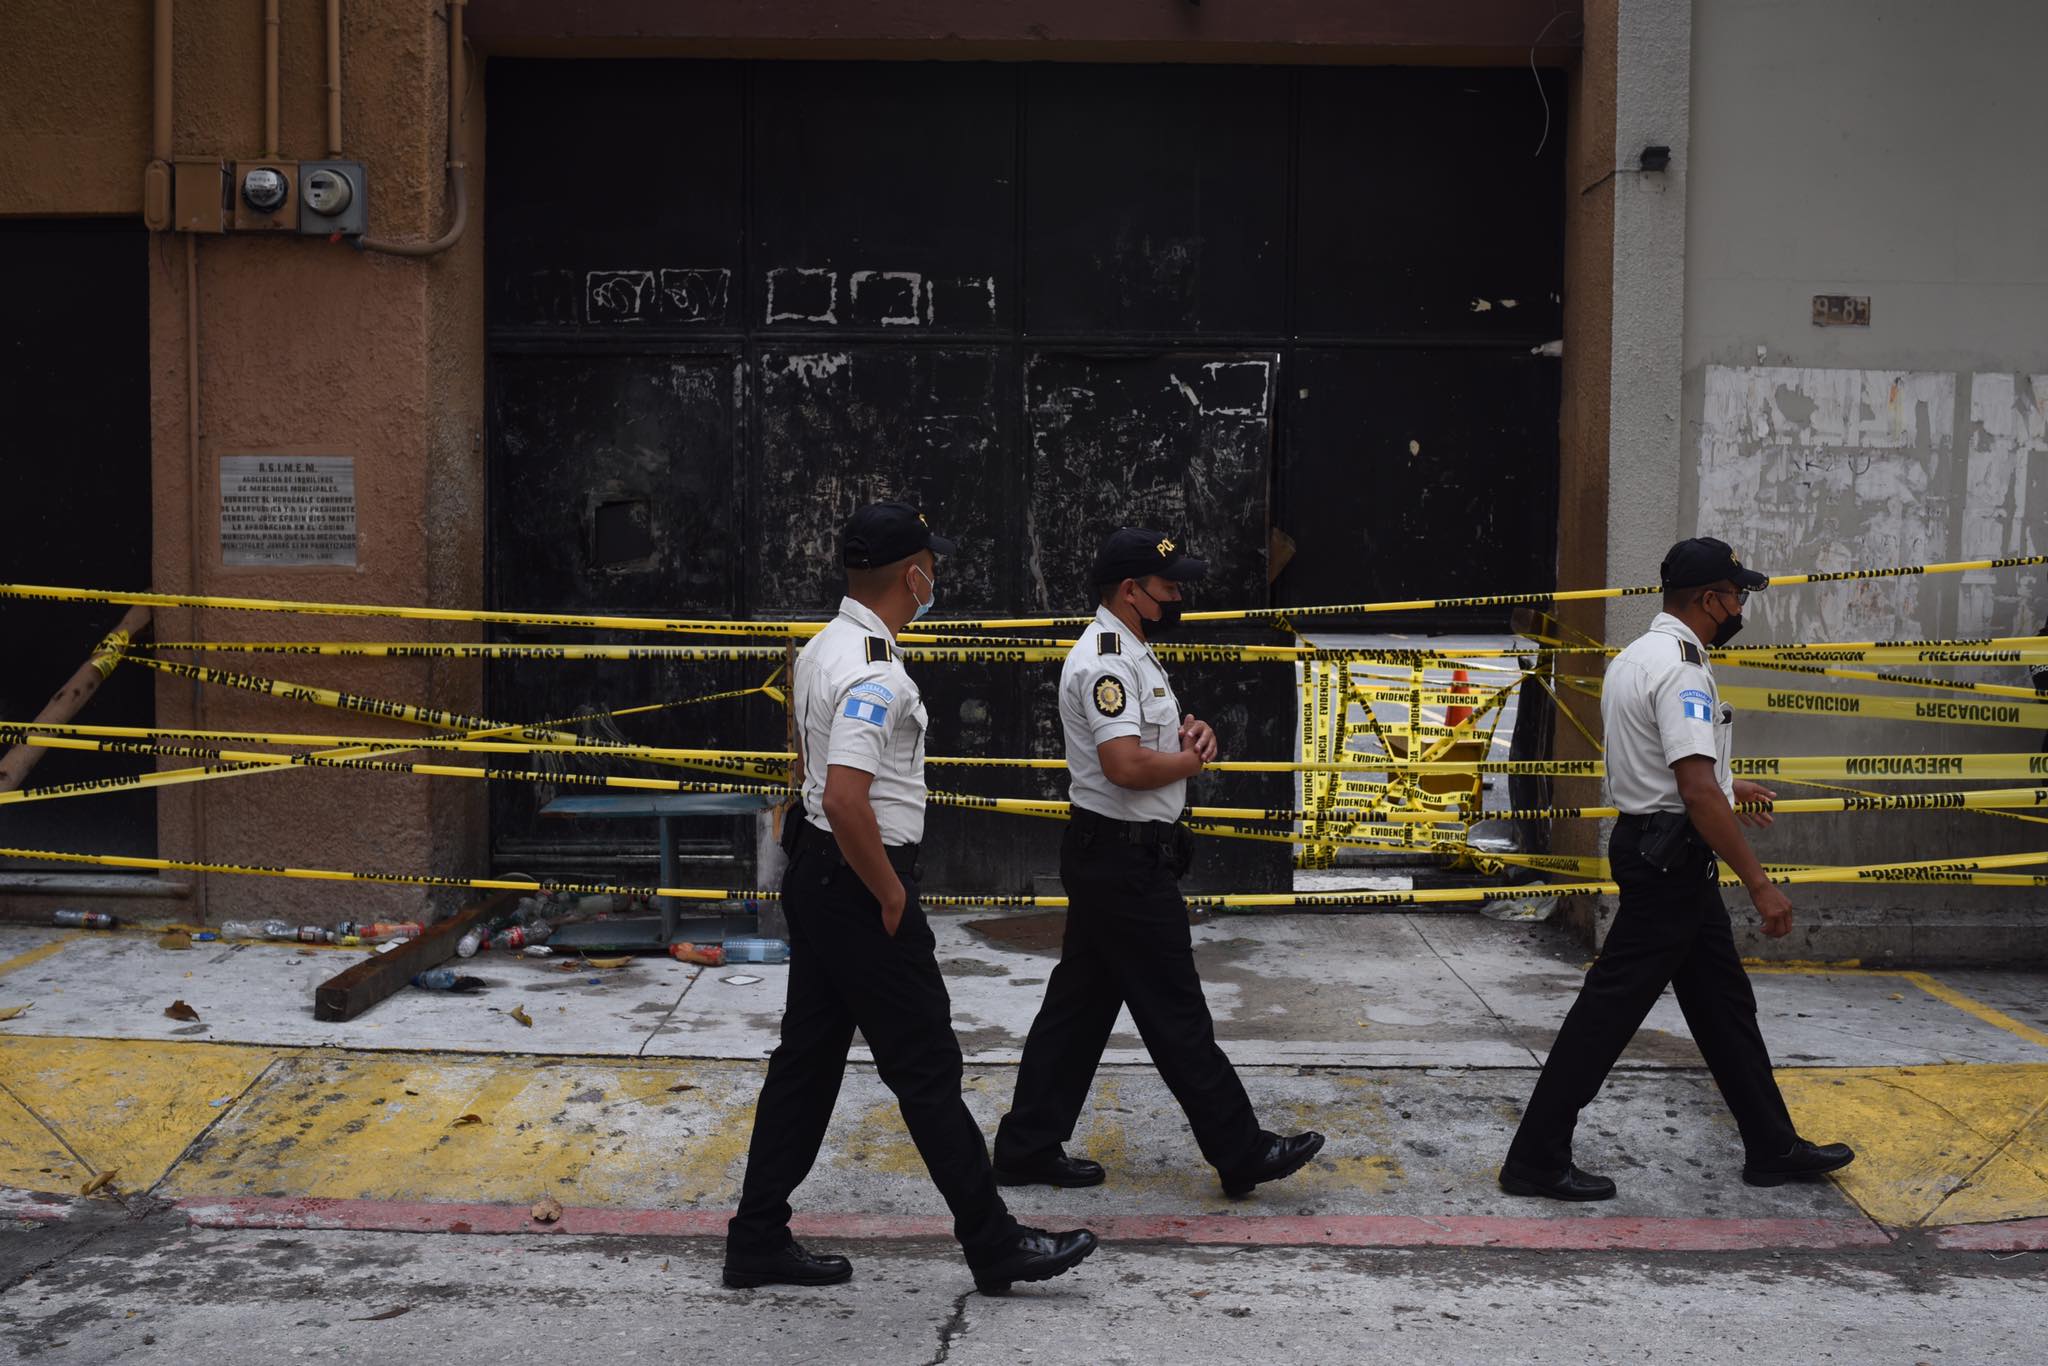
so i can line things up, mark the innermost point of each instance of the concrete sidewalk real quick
(1411, 1040)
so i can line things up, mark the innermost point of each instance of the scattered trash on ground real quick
(519, 1014)
(739, 979)
(391, 1313)
(447, 979)
(85, 920)
(176, 939)
(15, 1012)
(704, 955)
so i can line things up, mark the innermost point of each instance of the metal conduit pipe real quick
(270, 26)
(458, 168)
(156, 176)
(333, 80)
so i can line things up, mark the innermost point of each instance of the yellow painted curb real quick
(72, 1109)
(1958, 1143)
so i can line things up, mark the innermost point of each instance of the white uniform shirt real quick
(1659, 705)
(1112, 685)
(856, 705)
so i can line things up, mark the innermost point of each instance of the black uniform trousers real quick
(1127, 942)
(1672, 928)
(847, 971)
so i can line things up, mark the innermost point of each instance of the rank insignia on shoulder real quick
(1690, 652)
(1109, 696)
(1109, 643)
(878, 650)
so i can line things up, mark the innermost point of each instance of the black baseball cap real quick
(1133, 552)
(883, 533)
(1703, 560)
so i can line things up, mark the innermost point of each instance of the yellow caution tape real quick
(1599, 867)
(1903, 680)
(48, 593)
(1863, 706)
(714, 759)
(1243, 900)
(106, 656)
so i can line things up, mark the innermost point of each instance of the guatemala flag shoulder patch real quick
(1698, 706)
(867, 709)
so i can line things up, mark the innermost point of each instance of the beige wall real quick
(303, 344)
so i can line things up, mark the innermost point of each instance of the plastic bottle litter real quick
(472, 940)
(385, 930)
(248, 929)
(519, 936)
(313, 934)
(704, 955)
(446, 979)
(85, 920)
(753, 950)
(537, 951)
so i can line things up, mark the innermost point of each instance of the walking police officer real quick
(861, 949)
(1668, 736)
(1130, 753)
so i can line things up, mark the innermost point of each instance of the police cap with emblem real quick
(1703, 560)
(883, 533)
(1133, 552)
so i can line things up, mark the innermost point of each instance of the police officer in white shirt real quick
(1668, 735)
(861, 951)
(1130, 753)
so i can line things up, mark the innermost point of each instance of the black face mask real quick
(1169, 616)
(1730, 627)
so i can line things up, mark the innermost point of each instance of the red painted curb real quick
(1562, 1233)
(2019, 1235)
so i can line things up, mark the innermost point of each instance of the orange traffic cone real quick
(1458, 716)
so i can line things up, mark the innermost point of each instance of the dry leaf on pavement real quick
(178, 1010)
(547, 1209)
(466, 1119)
(9, 1012)
(519, 1014)
(100, 1182)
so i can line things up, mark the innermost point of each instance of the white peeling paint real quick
(813, 368)
(1808, 470)
(914, 279)
(831, 313)
(618, 296)
(2005, 480)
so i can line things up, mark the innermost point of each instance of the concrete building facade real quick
(1815, 147)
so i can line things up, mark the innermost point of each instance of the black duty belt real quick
(1130, 832)
(820, 844)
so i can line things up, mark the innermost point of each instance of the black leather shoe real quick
(789, 1265)
(1569, 1184)
(1805, 1162)
(1281, 1157)
(1032, 1254)
(1052, 1169)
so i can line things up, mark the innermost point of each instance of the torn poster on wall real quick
(1808, 470)
(2005, 504)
